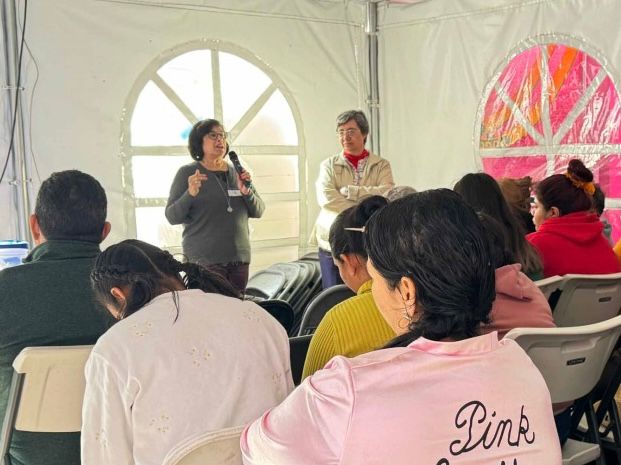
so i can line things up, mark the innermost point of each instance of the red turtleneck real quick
(355, 159)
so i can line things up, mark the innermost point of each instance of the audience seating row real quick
(48, 384)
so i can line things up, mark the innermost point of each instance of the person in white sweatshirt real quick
(187, 357)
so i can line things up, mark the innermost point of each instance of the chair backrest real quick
(52, 388)
(549, 285)
(571, 360)
(320, 305)
(213, 448)
(280, 310)
(298, 348)
(587, 299)
(46, 394)
(266, 283)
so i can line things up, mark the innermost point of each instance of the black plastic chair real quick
(266, 284)
(320, 305)
(280, 310)
(298, 347)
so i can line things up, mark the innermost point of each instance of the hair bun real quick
(578, 171)
(365, 209)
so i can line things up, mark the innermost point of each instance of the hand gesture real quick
(195, 181)
(245, 176)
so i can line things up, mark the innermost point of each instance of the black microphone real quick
(238, 167)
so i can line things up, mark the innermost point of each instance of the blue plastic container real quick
(12, 253)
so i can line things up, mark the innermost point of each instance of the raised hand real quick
(194, 183)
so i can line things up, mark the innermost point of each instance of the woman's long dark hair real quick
(343, 241)
(147, 271)
(483, 193)
(435, 239)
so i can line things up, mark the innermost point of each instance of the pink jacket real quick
(477, 401)
(519, 303)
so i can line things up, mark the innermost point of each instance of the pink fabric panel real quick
(521, 83)
(571, 83)
(515, 167)
(600, 121)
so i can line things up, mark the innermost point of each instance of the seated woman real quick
(354, 326)
(517, 193)
(483, 193)
(519, 302)
(440, 394)
(187, 356)
(569, 235)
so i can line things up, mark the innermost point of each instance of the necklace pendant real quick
(229, 209)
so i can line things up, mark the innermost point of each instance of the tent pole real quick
(373, 100)
(18, 177)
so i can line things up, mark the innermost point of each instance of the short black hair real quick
(198, 132)
(436, 239)
(343, 241)
(71, 205)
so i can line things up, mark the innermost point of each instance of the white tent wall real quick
(90, 54)
(436, 58)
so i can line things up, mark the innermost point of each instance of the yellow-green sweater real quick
(353, 327)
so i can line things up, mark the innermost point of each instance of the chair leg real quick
(616, 429)
(10, 417)
(593, 430)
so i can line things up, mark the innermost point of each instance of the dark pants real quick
(234, 273)
(329, 272)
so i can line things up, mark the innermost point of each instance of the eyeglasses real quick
(347, 132)
(217, 135)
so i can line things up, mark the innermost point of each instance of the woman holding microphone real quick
(214, 202)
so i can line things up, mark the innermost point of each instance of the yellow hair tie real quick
(587, 187)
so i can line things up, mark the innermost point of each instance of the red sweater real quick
(574, 244)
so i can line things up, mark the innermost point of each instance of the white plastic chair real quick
(46, 393)
(214, 448)
(587, 299)
(549, 285)
(571, 361)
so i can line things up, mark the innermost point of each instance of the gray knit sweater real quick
(211, 234)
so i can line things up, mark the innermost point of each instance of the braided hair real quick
(144, 272)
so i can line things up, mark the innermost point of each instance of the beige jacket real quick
(335, 173)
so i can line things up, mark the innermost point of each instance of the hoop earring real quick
(407, 319)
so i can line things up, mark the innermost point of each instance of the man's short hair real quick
(71, 205)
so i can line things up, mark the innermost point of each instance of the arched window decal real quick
(212, 79)
(552, 100)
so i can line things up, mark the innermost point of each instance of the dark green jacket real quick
(47, 301)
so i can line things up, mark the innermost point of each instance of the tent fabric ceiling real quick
(436, 57)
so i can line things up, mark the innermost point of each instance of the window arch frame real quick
(128, 151)
(549, 150)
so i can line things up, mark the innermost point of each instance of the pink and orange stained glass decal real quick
(553, 102)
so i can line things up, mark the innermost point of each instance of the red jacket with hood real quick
(574, 244)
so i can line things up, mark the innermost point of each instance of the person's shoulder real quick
(350, 307)
(375, 158)
(18, 275)
(331, 160)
